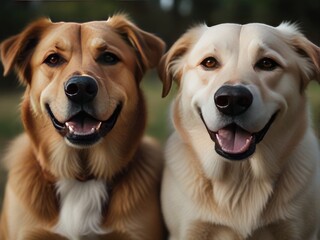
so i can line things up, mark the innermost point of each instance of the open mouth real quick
(235, 143)
(83, 129)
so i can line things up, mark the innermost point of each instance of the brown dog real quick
(82, 169)
(243, 161)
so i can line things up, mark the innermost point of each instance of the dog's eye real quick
(209, 63)
(54, 60)
(267, 64)
(108, 58)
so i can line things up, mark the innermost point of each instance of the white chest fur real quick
(81, 208)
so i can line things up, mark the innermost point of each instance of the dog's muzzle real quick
(82, 129)
(232, 141)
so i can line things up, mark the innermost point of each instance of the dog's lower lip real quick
(78, 134)
(248, 147)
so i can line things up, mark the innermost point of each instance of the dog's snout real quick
(81, 89)
(233, 100)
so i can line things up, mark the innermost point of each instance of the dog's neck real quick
(85, 176)
(81, 178)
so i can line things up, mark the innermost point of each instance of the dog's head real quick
(238, 81)
(82, 76)
(82, 96)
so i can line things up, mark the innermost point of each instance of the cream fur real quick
(274, 193)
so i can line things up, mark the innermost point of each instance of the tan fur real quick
(274, 193)
(129, 163)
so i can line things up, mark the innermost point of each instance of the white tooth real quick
(98, 127)
(70, 128)
(92, 130)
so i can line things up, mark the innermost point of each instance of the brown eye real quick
(108, 58)
(54, 60)
(210, 63)
(266, 64)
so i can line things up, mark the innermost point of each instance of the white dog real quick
(243, 161)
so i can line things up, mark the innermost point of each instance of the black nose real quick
(81, 89)
(233, 100)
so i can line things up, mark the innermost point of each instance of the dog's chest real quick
(81, 205)
(241, 205)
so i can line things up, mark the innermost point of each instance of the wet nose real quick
(233, 100)
(81, 89)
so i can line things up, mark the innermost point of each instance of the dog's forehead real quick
(262, 32)
(233, 33)
(93, 25)
(231, 38)
(78, 32)
(223, 30)
(69, 36)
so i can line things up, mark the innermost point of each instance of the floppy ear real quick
(309, 52)
(169, 68)
(149, 48)
(312, 53)
(16, 51)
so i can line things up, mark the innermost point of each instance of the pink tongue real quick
(233, 139)
(83, 126)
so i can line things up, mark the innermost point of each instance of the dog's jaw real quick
(235, 143)
(82, 130)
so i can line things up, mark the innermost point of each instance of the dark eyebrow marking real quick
(99, 44)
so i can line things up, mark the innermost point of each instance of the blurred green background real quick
(166, 18)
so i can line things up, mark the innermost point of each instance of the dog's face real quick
(239, 83)
(82, 82)
(85, 81)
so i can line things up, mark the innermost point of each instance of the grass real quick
(158, 120)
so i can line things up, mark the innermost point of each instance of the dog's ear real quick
(149, 47)
(310, 53)
(170, 68)
(16, 51)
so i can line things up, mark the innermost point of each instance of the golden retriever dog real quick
(243, 161)
(82, 169)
